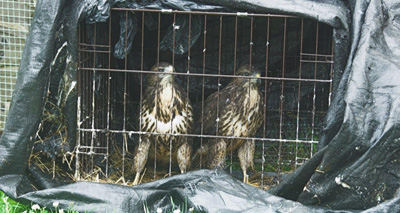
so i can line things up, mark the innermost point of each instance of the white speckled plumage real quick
(165, 109)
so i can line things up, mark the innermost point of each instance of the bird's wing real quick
(220, 102)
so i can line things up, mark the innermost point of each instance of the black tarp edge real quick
(23, 120)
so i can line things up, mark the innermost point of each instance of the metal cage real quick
(206, 49)
(15, 19)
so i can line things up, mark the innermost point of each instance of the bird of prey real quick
(240, 114)
(165, 109)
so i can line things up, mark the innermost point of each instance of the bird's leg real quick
(245, 177)
(183, 157)
(243, 161)
(217, 154)
(246, 157)
(140, 159)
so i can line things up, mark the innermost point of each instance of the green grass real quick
(8, 205)
(183, 208)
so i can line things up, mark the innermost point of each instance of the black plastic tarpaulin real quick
(359, 167)
(356, 168)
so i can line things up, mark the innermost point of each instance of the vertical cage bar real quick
(174, 27)
(251, 40)
(245, 176)
(126, 41)
(158, 38)
(235, 45)
(86, 104)
(108, 95)
(188, 65)
(140, 108)
(282, 100)
(91, 152)
(234, 73)
(188, 69)
(202, 93)
(265, 104)
(141, 61)
(188, 59)
(240, 61)
(298, 90)
(78, 104)
(331, 73)
(219, 71)
(173, 64)
(157, 85)
(142, 44)
(125, 139)
(314, 89)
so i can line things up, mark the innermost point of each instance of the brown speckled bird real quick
(165, 109)
(240, 115)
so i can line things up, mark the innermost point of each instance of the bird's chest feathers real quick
(164, 118)
(251, 99)
(173, 125)
(166, 96)
(240, 120)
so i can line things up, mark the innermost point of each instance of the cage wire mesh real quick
(15, 19)
(295, 56)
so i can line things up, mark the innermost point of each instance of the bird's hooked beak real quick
(256, 80)
(166, 71)
(169, 69)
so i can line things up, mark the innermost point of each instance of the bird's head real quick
(164, 68)
(246, 70)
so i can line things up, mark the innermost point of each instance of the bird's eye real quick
(246, 74)
(160, 70)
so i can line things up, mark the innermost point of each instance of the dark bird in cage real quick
(236, 110)
(165, 110)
